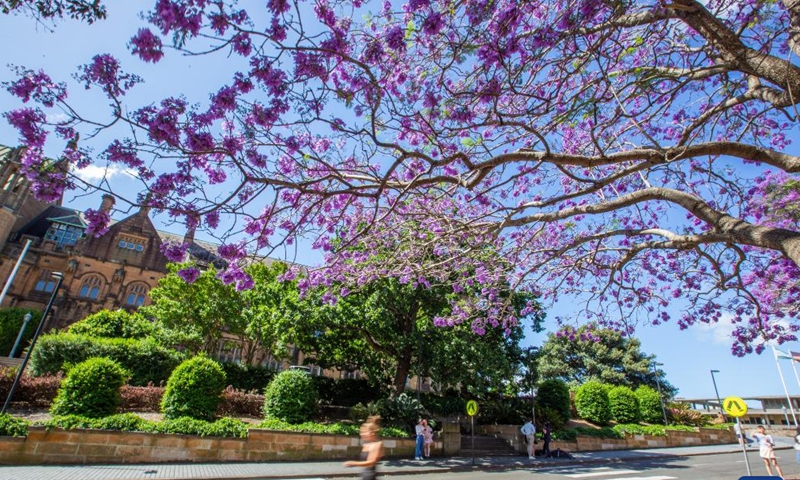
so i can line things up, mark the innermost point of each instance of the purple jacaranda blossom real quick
(147, 46)
(97, 222)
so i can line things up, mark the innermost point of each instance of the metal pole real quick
(472, 431)
(783, 382)
(785, 417)
(25, 320)
(743, 443)
(660, 395)
(719, 402)
(14, 270)
(60, 277)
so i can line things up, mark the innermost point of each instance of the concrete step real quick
(485, 445)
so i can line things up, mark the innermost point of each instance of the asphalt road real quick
(705, 467)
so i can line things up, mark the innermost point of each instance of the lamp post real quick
(25, 320)
(719, 402)
(59, 278)
(660, 395)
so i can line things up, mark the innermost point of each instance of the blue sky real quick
(687, 355)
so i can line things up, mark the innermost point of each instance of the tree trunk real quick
(403, 368)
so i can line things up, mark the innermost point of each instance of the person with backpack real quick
(546, 437)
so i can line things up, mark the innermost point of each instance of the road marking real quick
(654, 477)
(607, 471)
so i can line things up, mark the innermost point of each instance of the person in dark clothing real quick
(546, 437)
(371, 450)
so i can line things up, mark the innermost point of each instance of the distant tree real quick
(88, 11)
(387, 329)
(200, 311)
(590, 353)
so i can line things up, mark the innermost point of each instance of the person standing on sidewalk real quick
(529, 430)
(546, 437)
(766, 450)
(420, 431)
(371, 449)
(428, 435)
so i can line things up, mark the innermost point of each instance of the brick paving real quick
(320, 470)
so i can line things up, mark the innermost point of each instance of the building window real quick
(63, 234)
(46, 283)
(135, 297)
(91, 288)
(131, 244)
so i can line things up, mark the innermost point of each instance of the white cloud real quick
(719, 333)
(95, 173)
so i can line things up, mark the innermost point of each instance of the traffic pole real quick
(743, 443)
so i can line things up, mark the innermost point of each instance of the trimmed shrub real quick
(291, 397)
(247, 377)
(113, 324)
(91, 389)
(624, 404)
(649, 405)
(635, 429)
(12, 427)
(553, 394)
(591, 401)
(144, 359)
(11, 320)
(224, 427)
(194, 390)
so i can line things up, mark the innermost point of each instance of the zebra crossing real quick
(606, 473)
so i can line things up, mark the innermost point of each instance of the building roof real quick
(41, 223)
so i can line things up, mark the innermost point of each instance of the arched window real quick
(136, 293)
(91, 288)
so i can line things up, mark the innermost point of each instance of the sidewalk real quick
(317, 470)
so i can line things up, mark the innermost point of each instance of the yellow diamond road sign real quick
(734, 406)
(472, 408)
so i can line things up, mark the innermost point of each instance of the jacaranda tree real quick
(633, 153)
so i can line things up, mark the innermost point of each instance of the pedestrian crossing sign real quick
(472, 408)
(734, 406)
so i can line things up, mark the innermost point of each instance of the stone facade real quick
(57, 446)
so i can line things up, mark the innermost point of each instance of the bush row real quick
(147, 361)
(224, 427)
(599, 403)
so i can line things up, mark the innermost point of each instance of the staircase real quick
(485, 446)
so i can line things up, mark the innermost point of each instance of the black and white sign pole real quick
(743, 443)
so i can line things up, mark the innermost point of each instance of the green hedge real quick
(113, 324)
(649, 405)
(91, 388)
(144, 359)
(291, 397)
(12, 427)
(11, 320)
(591, 400)
(333, 428)
(194, 389)
(224, 427)
(624, 404)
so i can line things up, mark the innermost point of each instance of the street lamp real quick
(660, 396)
(59, 278)
(25, 320)
(719, 402)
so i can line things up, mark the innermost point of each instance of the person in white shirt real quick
(529, 430)
(766, 450)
